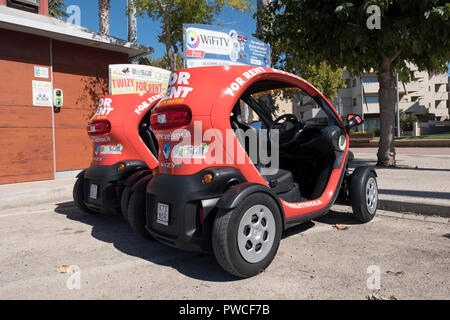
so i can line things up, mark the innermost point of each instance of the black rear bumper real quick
(109, 180)
(185, 195)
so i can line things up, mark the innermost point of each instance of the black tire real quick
(124, 201)
(137, 214)
(78, 197)
(225, 236)
(364, 208)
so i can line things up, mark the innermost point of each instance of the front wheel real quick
(78, 196)
(246, 239)
(363, 194)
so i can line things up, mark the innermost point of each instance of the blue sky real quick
(148, 29)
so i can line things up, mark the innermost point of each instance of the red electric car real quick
(124, 152)
(244, 154)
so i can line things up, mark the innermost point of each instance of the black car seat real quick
(238, 123)
(280, 182)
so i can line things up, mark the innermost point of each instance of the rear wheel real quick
(124, 201)
(137, 214)
(363, 194)
(78, 196)
(246, 239)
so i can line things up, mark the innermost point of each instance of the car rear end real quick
(182, 196)
(119, 149)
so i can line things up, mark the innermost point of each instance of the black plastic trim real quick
(184, 194)
(110, 184)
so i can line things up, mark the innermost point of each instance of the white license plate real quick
(162, 216)
(93, 191)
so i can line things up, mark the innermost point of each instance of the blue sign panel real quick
(206, 45)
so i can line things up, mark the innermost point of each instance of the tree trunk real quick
(387, 95)
(260, 5)
(103, 16)
(166, 38)
(132, 26)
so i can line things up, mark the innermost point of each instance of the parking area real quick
(406, 258)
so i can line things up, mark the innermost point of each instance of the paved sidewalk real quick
(34, 193)
(420, 185)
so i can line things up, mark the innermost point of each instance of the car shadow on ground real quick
(115, 230)
(336, 217)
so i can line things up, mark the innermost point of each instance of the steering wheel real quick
(289, 129)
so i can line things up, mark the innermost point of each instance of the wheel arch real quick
(237, 193)
(363, 170)
(80, 174)
(141, 184)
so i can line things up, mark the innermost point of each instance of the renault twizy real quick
(124, 152)
(245, 153)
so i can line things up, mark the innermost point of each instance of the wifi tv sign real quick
(208, 41)
(205, 45)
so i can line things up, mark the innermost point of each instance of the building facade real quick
(38, 54)
(427, 94)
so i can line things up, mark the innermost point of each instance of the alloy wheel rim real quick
(371, 195)
(256, 233)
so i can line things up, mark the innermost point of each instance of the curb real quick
(414, 207)
(404, 143)
(36, 197)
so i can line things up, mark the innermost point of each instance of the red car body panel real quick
(211, 93)
(124, 112)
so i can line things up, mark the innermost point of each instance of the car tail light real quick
(173, 118)
(98, 127)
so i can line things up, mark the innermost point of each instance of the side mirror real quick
(353, 120)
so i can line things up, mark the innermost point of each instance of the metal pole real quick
(340, 108)
(362, 101)
(398, 109)
(53, 110)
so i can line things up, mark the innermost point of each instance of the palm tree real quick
(56, 9)
(103, 16)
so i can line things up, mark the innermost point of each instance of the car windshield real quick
(287, 100)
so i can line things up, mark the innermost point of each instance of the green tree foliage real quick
(173, 13)
(57, 9)
(407, 121)
(336, 31)
(322, 75)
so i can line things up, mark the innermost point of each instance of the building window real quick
(349, 83)
(372, 99)
(354, 83)
(354, 102)
(27, 5)
(369, 79)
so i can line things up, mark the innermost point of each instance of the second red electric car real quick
(124, 152)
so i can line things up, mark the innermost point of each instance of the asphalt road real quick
(315, 260)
